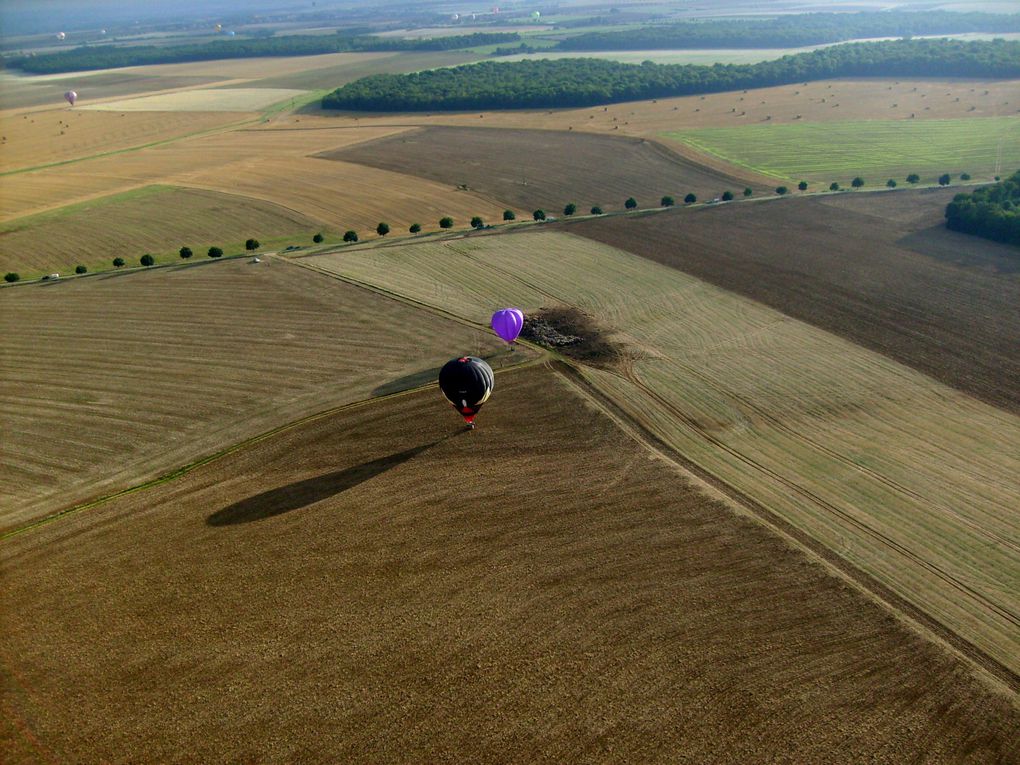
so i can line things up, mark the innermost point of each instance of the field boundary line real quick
(884, 594)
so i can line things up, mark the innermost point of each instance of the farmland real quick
(135, 222)
(781, 526)
(41, 138)
(201, 100)
(776, 409)
(23, 91)
(125, 377)
(933, 299)
(272, 166)
(875, 149)
(355, 577)
(530, 169)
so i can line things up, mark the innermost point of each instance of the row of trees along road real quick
(963, 216)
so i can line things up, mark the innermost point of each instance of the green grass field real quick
(876, 150)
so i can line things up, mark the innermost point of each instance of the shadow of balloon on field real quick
(413, 380)
(295, 496)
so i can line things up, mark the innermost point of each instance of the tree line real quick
(587, 81)
(109, 56)
(792, 31)
(990, 211)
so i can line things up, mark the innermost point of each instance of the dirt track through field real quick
(412, 592)
(531, 169)
(878, 269)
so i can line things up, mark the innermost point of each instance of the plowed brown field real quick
(878, 269)
(108, 381)
(530, 169)
(380, 586)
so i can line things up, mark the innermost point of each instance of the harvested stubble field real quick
(878, 269)
(821, 101)
(414, 593)
(112, 380)
(274, 166)
(56, 135)
(874, 149)
(21, 92)
(136, 222)
(905, 478)
(240, 99)
(543, 169)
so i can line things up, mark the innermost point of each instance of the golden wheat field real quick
(906, 478)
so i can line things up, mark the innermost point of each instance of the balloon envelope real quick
(508, 323)
(467, 383)
(70, 96)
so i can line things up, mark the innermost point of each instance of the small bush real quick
(252, 244)
(215, 252)
(727, 196)
(147, 260)
(944, 179)
(857, 182)
(185, 252)
(10, 277)
(415, 228)
(477, 222)
(509, 215)
(118, 262)
(318, 238)
(538, 215)
(964, 176)
(802, 185)
(631, 203)
(570, 209)
(667, 201)
(891, 183)
(781, 190)
(833, 186)
(690, 199)
(446, 222)
(382, 229)
(596, 210)
(913, 178)
(350, 236)
(748, 192)
(80, 269)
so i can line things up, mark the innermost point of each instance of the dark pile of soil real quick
(574, 334)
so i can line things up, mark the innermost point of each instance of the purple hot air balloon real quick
(507, 323)
(70, 96)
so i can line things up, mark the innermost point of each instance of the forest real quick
(108, 56)
(792, 31)
(990, 211)
(586, 81)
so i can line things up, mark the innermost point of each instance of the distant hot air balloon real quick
(219, 27)
(61, 35)
(70, 96)
(508, 323)
(467, 384)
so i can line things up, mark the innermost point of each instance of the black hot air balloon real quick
(467, 383)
